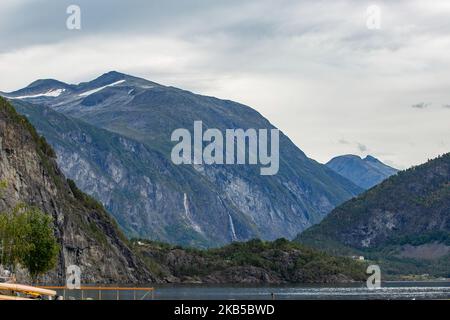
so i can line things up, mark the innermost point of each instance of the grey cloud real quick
(276, 56)
(43, 22)
(421, 105)
(246, 21)
(362, 147)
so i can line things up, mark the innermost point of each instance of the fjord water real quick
(388, 291)
(392, 290)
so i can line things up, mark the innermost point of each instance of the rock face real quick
(112, 136)
(365, 173)
(88, 237)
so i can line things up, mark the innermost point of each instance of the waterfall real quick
(233, 232)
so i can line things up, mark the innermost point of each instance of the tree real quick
(13, 235)
(43, 252)
(28, 239)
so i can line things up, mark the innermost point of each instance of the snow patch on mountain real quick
(87, 93)
(51, 93)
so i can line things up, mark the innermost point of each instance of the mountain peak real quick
(364, 172)
(51, 91)
(42, 88)
(46, 83)
(349, 156)
(371, 159)
(114, 75)
(109, 77)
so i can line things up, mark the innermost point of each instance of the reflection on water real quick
(391, 290)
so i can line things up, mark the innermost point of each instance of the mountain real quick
(88, 237)
(126, 175)
(365, 173)
(112, 136)
(405, 217)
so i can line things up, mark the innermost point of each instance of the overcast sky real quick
(313, 68)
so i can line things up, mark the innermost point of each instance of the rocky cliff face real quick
(112, 136)
(88, 237)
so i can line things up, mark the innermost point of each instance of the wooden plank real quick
(27, 289)
(12, 298)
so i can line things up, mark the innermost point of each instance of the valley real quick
(108, 141)
(115, 144)
(89, 237)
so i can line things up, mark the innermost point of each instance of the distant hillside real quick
(112, 137)
(406, 217)
(253, 262)
(365, 173)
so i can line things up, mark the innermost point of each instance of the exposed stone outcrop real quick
(87, 235)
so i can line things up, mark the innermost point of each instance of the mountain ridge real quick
(208, 200)
(90, 239)
(406, 216)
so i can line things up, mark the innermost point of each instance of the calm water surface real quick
(392, 290)
(389, 290)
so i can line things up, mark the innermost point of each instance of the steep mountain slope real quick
(406, 216)
(87, 235)
(197, 205)
(143, 189)
(365, 173)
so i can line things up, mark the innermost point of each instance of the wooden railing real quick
(83, 289)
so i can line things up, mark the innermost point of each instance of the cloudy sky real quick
(313, 68)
